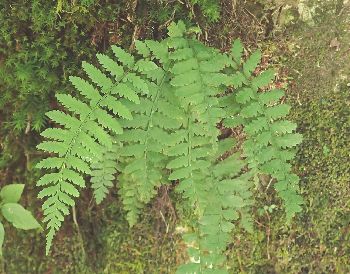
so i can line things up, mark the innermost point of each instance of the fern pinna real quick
(103, 171)
(152, 118)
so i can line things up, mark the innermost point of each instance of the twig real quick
(268, 230)
(268, 185)
(163, 218)
(134, 37)
(74, 214)
(251, 14)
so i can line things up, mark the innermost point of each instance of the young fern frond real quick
(85, 133)
(270, 137)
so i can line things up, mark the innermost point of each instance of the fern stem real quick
(81, 241)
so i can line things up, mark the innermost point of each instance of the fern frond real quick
(144, 139)
(229, 195)
(197, 80)
(196, 95)
(269, 136)
(86, 134)
(154, 118)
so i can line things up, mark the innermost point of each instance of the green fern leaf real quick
(251, 64)
(110, 65)
(244, 95)
(124, 90)
(159, 50)
(155, 119)
(263, 79)
(176, 29)
(278, 111)
(124, 57)
(271, 97)
(116, 107)
(85, 135)
(237, 51)
(97, 77)
(86, 89)
(142, 48)
(269, 136)
(283, 126)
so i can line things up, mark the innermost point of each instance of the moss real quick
(145, 248)
(324, 170)
(29, 256)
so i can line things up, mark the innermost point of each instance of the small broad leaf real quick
(11, 193)
(19, 217)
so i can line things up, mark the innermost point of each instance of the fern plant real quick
(152, 118)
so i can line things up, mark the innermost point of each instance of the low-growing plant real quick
(13, 212)
(153, 118)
